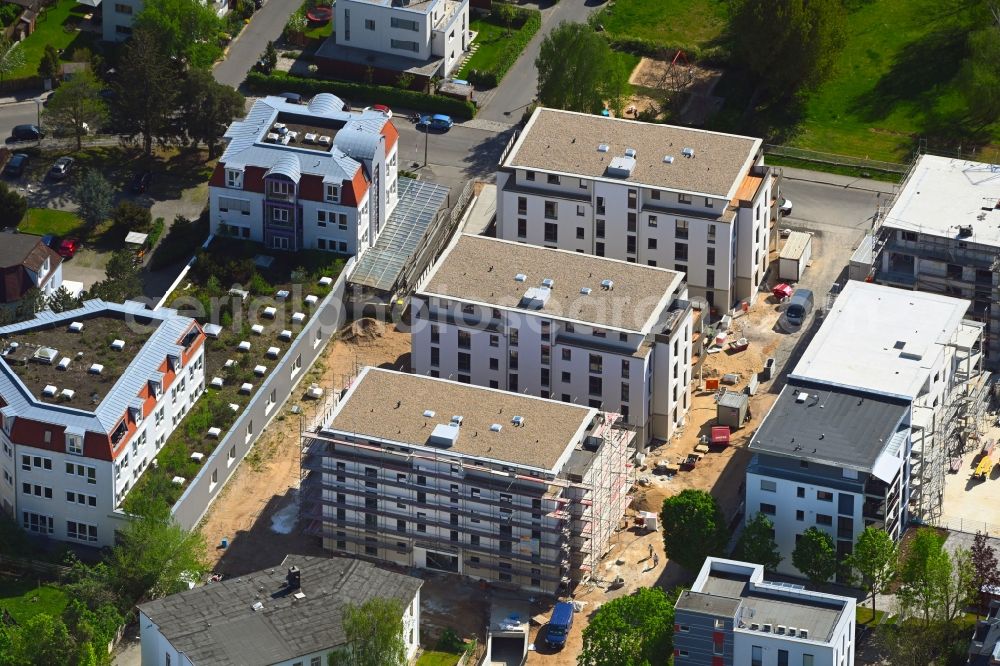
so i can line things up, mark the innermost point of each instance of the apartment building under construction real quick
(432, 473)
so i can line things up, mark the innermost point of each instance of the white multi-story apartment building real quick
(314, 176)
(431, 473)
(291, 615)
(695, 201)
(860, 434)
(417, 29)
(942, 234)
(731, 616)
(558, 324)
(117, 17)
(89, 398)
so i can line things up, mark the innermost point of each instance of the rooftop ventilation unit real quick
(457, 419)
(49, 390)
(621, 167)
(802, 396)
(548, 282)
(766, 628)
(965, 231)
(518, 421)
(668, 159)
(535, 298)
(444, 435)
(520, 277)
(63, 363)
(258, 606)
(607, 285)
(803, 633)
(630, 152)
(603, 148)
(96, 369)
(754, 626)
(585, 291)
(76, 327)
(792, 631)
(780, 629)
(118, 345)
(428, 413)
(67, 394)
(689, 152)
(496, 427)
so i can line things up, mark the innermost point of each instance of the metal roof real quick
(325, 103)
(286, 165)
(381, 265)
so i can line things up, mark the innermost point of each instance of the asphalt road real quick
(832, 204)
(20, 113)
(266, 25)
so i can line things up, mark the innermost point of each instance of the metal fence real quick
(34, 568)
(959, 524)
(248, 427)
(833, 159)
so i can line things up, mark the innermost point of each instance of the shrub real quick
(155, 231)
(527, 21)
(182, 239)
(360, 93)
(12, 207)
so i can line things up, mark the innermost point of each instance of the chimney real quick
(294, 578)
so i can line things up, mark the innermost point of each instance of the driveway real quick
(266, 25)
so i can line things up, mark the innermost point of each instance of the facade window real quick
(84, 471)
(599, 249)
(123, 8)
(684, 198)
(651, 243)
(551, 210)
(35, 522)
(494, 340)
(709, 203)
(522, 205)
(404, 24)
(551, 232)
(807, 660)
(580, 233)
(710, 278)
(782, 657)
(522, 228)
(710, 256)
(800, 492)
(596, 386)
(756, 655)
(369, 24)
(529, 175)
(596, 363)
(768, 486)
(800, 515)
(652, 221)
(711, 233)
(464, 340)
(74, 445)
(824, 496)
(768, 509)
(631, 220)
(552, 179)
(680, 251)
(579, 211)
(680, 228)
(625, 369)
(404, 45)
(81, 531)
(331, 193)
(824, 519)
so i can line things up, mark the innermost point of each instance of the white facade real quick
(642, 372)
(421, 29)
(720, 241)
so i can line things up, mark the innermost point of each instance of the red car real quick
(68, 248)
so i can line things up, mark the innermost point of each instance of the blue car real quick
(438, 121)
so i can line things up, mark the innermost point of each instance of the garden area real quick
(24, 598)
(896, 80)
(503, 35)
(210, 295)
(59, 27)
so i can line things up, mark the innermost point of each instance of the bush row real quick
(359, 93)
(530, 21)
(650, 48)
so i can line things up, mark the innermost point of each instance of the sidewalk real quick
(836, 180)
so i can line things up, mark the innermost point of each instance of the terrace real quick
(76, 367)
(304, 131)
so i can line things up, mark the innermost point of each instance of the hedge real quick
(279, 82)
(530, 21)
(652, 49)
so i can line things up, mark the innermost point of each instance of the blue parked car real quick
(438, 121)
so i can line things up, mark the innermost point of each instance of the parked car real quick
(68, 247)
(438, 121)
(61, 168)
(381, 108)
(141, 180)
(15, 167)
(785, 206)
(559, 625)
(27, 133)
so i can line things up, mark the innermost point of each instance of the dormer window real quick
(332, 193)
(45, 268)
(234, 179)
(74, 445)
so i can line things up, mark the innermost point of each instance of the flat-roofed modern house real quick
(941, 234)
(89, 397)
(315, 176)
(425, 472)
(698, 202)
(732, 616)
(558, 324)
(862, 433)
(290, 615)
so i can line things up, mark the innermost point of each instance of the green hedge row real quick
(652, 49)
(359, 93)
(530, 21)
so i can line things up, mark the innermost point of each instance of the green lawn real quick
(319, 31)
(43, 221)
(491, 40)
(58, 27)
(23, 599)
(674, 22)
(864, 615)
(431, 658)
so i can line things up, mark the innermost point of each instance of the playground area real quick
(684, 87)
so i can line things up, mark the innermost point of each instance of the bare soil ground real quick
(693, 82)
(257, 509)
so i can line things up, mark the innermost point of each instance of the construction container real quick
(795, 256)
(863, 260)
(732, 409)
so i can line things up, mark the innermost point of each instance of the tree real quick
(506, 13)
(986, 571)
(815, 556)
(129, 216)
(616, 88)
(11, 56)
(959, 589)
(787, 44)
(636, 630)
(757, 544)
(374, 632)
(30, 304)
(122, 280)
(693, 528)
(93, 194)
(924, 574)
(980, 74)
(269, 59)
(43, 639)
(147, 88)
(208, 109)
(12, 207)
(875, 557)
(187, 30)
(76, 106)
(573, 64)
(48, 68)
(155, 556)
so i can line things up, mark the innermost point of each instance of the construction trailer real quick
(795, 256)
(732, 409)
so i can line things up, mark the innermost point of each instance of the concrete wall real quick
(243, 434)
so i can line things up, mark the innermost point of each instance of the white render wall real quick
(839, 651)
(451, 39)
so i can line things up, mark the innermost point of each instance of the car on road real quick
(141, 180)
(61, 168)
(785, 206)
(27, 133)
(381, 108)
(438, 122)
(68, 247)
(15, 167)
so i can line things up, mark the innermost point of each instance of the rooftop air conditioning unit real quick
(792, 631)
(548, 282)
(520, 277)
(603, 148)
(780, 629)
(429, 413)
(668, 159)
(803, 633)
(76, 326)
(754, 626)
(585, 291)
(630, 152)
(688, 152)
(802, 396)
(766, 628)
(607, 284)
(457, 419)
(496, 427)
(518, 421)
